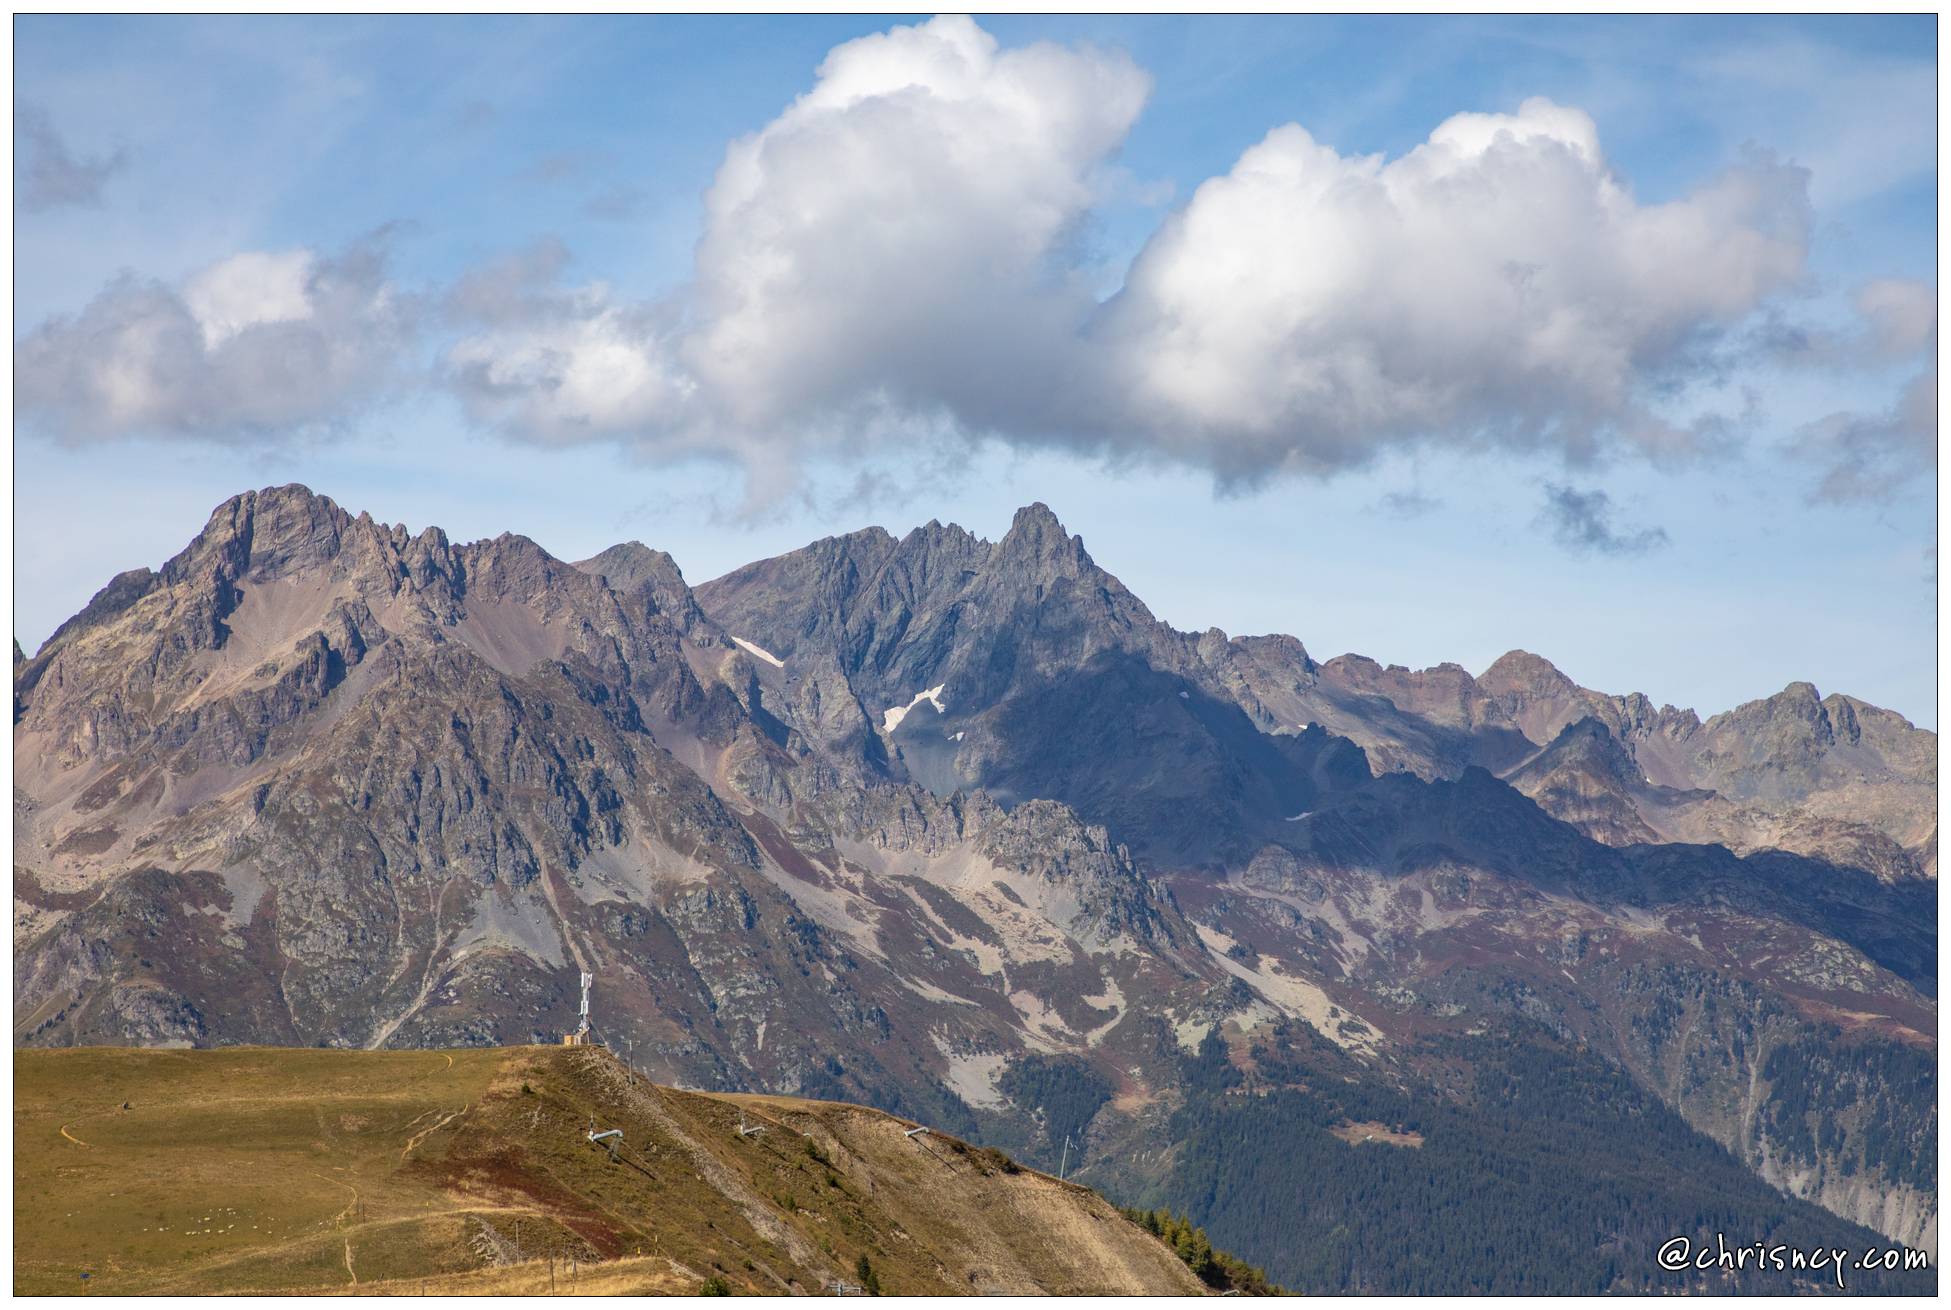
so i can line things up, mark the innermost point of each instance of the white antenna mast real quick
(581, 1035)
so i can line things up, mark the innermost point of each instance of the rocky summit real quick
(960, 829)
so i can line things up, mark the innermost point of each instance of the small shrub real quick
(714, 1286)
(994, 1161)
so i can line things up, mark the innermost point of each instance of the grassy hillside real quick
(143, 1171)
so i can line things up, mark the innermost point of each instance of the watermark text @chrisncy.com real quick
(1678, 1254)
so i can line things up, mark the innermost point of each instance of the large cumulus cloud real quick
(899, 229)
(888, 254)
(1496, 284)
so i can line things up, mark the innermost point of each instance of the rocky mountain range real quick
(960, 829)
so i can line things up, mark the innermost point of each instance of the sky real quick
(1423, 338)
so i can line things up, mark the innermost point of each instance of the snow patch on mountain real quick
(892, 718)
(761, 652)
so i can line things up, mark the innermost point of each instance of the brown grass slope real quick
(262, 1170)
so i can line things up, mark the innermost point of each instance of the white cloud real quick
(258, 345)
(591, 369)
(1498, 283)
(898, 230)
(888, 249)
(248, 289)
(558, 365)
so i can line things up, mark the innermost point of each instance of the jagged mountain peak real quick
(1796, 711)
(1037, 524)
(1520, 670)
(930, 556)
(635, 569)
(289, 497)
(631, 564)
(263, 533)
(1036, 516)
(1587, 777)
(1589, 742)
(1354, 665)
(1035, 534)
(935, 532)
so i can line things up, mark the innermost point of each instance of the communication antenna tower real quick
(581, 1035)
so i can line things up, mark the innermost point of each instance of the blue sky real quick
(532, 294)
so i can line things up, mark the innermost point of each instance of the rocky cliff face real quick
(893, 820)
(1825, 776)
